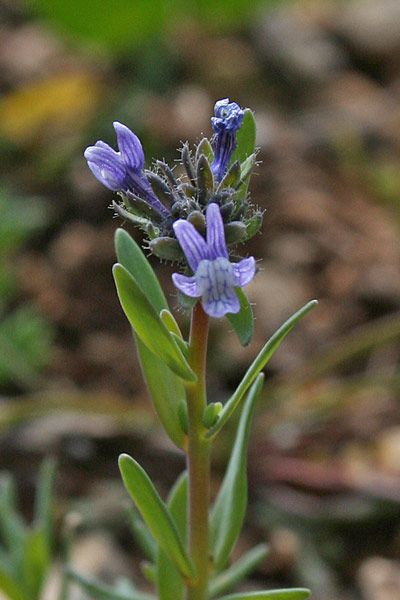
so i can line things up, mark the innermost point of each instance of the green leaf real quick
(170, 323)
(43, 516)
(170, 585)
(288, 594)
(166, 391)
(147, 323)
(230, 506)
(36, 559)
(165, 388)
(132, 258)
(101, 591)
(238, 571)
(245, 138)
(12, 528)
(259, 363)
(243, 321)
(141, 534)
(154, 512)
(10, 588)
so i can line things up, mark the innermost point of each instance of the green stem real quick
(198, 458)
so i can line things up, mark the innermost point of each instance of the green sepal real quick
(246, 169)
(288, 594)
(147, 323)
(166, 248)
(259, 363)
(129, 216)
(245, 138)
(227, 579)
(253, 224)
(231, 178)
(205, 179)
(155, 513)
(187, 302)
(243, 321)
(230, 505)
(101, 591)
(235, 232)
(165, 388)
(170, 585)
(204, 147)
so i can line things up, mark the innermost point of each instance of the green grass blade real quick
(36, 559)
(101, 591)
(238, 571)
(154, 512)
(257, 365)
(292, 594)
(147, 323)
(230, 506)
(43, 516)
(170, 585)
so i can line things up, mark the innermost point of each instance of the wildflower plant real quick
(196, 219)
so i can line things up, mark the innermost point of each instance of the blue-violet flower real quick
(214, 276)
(226, 121)
(122, 171)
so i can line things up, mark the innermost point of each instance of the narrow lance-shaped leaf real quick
(147, 323)
(243, 321)
(258, 363)
(165, 388)
(227, 579)
(286, 594)
(154, 512)
(170, 585)
(35, 561)
(230, 505)
(141, 534)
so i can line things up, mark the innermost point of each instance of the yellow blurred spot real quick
(47, 107)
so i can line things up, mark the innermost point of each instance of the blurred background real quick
(323, 78)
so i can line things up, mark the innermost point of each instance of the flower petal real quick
(218, 307)
(187, 285)
(215, 232)
(244, 271)
(130, 147)
(106, 165)
(192, 243)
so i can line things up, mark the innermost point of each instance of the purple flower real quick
(122, 171)
(214, 277)
(227, 120)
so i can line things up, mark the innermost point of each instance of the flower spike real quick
(214, 276)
